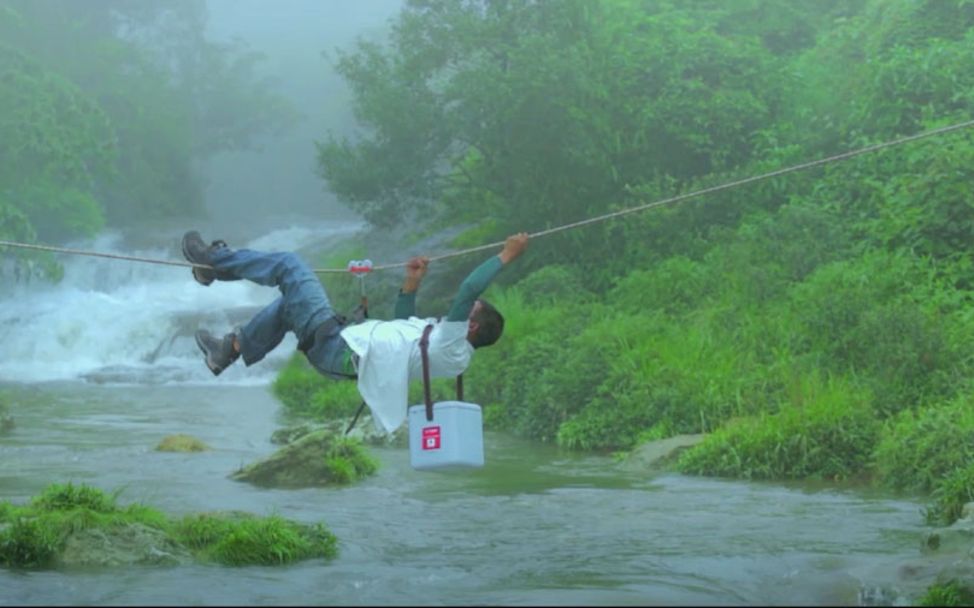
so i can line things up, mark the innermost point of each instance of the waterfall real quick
(123, 322)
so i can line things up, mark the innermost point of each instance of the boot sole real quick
(197, 272)
(216, 369)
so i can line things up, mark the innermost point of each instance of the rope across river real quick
(592, 220)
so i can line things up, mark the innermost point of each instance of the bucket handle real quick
(424, 343)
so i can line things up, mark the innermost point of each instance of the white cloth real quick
(389, 358)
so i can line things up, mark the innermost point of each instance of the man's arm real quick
(406, 300)
(478, 280)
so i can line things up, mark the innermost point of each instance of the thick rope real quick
(592, 220)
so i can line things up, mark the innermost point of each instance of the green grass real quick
(37, 531)
(950, 495)
(348, 461)
(236, 540)
(305, 392)
(950, 593)
(919, 449)
(829, 434)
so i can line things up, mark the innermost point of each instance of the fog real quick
(298, 38)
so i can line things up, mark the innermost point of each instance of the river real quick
(97, 370)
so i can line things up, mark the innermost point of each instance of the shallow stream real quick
(535, 526)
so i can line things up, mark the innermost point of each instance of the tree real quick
(172, 97)
(538, 113)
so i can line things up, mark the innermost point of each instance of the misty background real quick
(277, 181)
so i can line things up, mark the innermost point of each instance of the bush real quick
(828, 432)
(554, 285)
(919, 449)
(510, 379)
(872, 317)
(950, 496)
(690, 377)
(676, 286)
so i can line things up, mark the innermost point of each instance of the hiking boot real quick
(197, 251)
(219, 351)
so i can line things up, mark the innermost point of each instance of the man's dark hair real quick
(490, 325)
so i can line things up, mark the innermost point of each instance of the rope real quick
(98, 254)
(669, 201)
(711, 190)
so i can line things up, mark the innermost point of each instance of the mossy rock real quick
(660, 453)
(122, 545)
(69, 525)
(181, 443)
(364, 431)
(318, 458)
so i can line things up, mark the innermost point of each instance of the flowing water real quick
(97, 370)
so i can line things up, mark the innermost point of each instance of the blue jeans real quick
(302, 307)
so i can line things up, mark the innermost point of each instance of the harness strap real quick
(424, 351)
(424, 343)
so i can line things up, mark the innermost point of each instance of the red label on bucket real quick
(431, 438)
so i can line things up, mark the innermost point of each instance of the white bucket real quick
(453, 438)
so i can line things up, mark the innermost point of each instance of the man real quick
(383, 355)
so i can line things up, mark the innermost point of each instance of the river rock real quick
(364, 430)
(955, 538)
(299, 464)
(659, 453)
(946, 554)
(122, 545)
(181, 443)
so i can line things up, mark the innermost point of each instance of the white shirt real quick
(389, 358)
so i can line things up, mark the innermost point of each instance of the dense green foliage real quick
(922, 447)
(950, 495)
(950, 593)
(33, 535)
(828, 433)
(107, 110)
(817, 325)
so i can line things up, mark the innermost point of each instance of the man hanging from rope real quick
(383, 355)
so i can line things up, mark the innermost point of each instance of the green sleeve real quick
(405, 305)
(471, 288)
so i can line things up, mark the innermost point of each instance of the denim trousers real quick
(302, 307)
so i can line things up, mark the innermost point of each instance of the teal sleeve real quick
(471, 288)
(405, 305)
